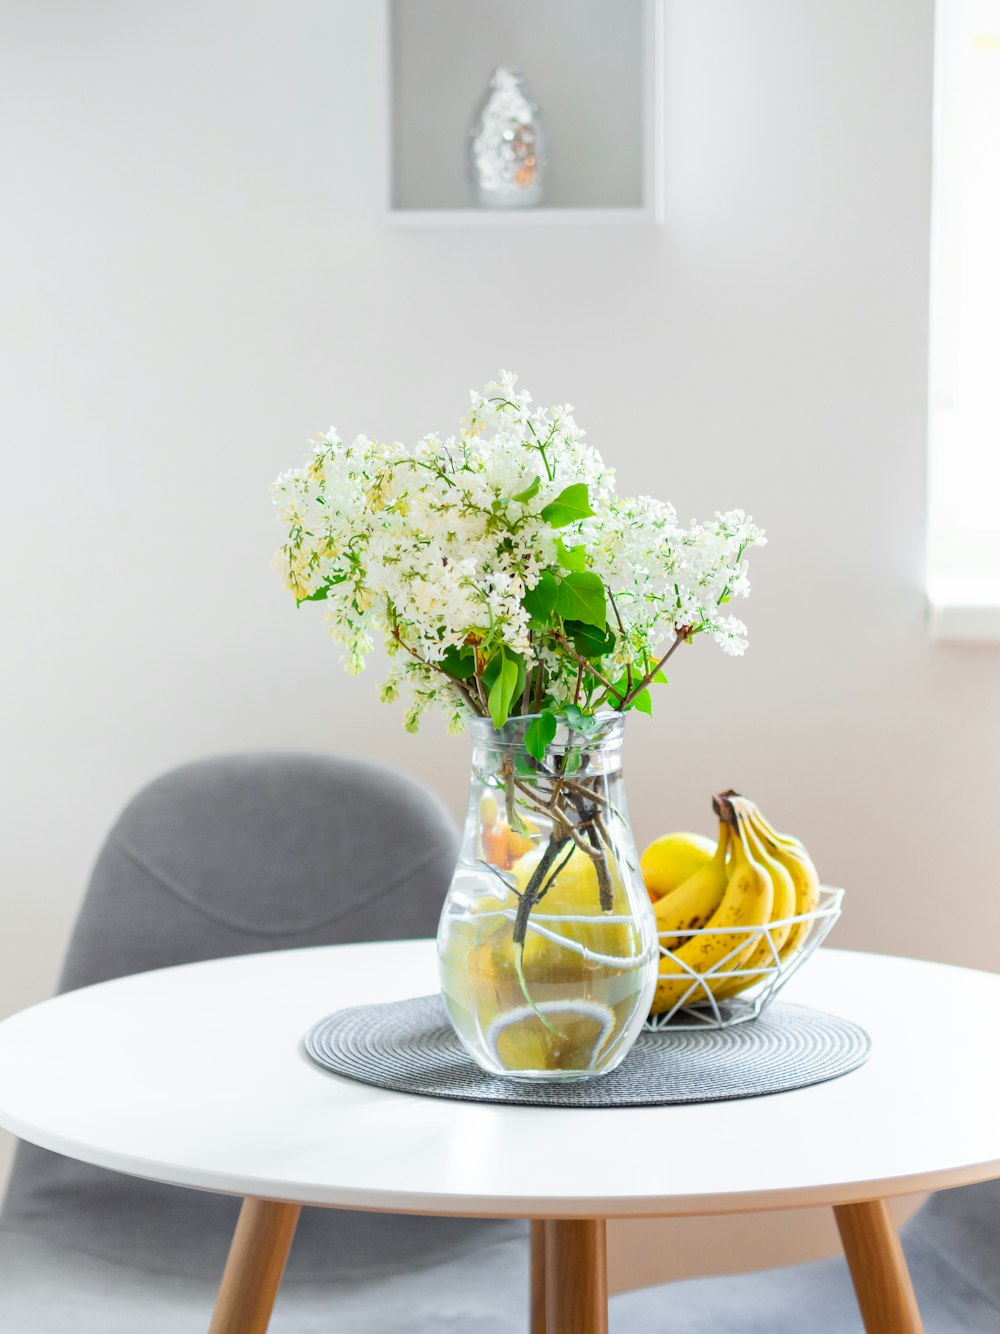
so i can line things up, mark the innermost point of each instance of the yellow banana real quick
(796, 860)
(692, 903)
(745, 904)
(799, 865)
(786, 840)
(783, 906)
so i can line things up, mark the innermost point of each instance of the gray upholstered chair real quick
(223, 857)
(952, 1246)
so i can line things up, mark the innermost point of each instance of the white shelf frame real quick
(649, 213)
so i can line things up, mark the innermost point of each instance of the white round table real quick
(196, 1076)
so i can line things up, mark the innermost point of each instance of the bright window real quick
(964, 505)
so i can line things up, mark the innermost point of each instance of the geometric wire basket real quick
(699, 1008)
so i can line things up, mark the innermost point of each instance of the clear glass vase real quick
(547, 941)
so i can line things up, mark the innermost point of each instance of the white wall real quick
(197, 276)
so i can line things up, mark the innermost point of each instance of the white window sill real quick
(964, 621)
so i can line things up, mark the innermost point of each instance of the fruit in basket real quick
(690, 906)
(756, 876)
(746, 904)
(672, 859)
(799, 865)
(782, 908)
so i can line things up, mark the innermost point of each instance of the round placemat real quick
(409, 1046)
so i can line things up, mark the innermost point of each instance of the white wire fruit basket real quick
(699, 1007)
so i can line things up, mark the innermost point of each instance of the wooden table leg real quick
(538, 1276)
(253, 1271)
(576, 1276)
(878, 1268)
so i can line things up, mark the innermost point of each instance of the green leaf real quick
(571, 558)
(459, 662)
(581, 598)
(492, 669)
(573, 714)
(318, 596)
(620, 687)
(539, 732)
(569, 505)
(503, 690)
(540, 602)
(578, 720)
(643, 702)
(529, 492)
(521, 674)
(588, 640)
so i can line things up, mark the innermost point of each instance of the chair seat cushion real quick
(186, 1233)
(47, 1288)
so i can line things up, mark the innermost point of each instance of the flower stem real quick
(682, 634)
(589, 666)
(460, 686)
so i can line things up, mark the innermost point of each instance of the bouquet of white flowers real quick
(511, 583)
(502, 570)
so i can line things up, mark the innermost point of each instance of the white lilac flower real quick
(432, 551)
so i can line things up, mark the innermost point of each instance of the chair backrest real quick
(232, 856)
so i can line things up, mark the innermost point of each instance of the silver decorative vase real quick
(507, 145)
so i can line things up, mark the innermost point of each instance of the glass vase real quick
(547, 940)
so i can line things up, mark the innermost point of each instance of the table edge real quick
(427, 942)
(478, 1206)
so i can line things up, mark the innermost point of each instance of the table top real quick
(196, 1075)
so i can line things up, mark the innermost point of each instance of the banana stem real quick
(723, 807)
(764, 827)
(738, 807)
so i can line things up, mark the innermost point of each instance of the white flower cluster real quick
(665, 577)
(433, 549)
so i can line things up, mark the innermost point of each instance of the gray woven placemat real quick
(409, 1046)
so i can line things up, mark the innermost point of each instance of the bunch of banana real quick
(753, 877)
